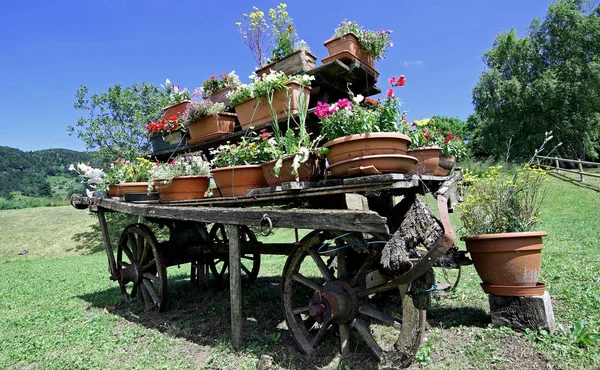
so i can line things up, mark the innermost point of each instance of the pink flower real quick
(390, 93)
(401, 81)
(265, 135)
(322, 110)
(344, 103)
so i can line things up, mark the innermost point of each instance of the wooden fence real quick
(579, 163)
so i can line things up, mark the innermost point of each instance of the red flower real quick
(401, 81)
(448, 137)
(212, 77)
(390, 93)
(426, 135)
(371, 101)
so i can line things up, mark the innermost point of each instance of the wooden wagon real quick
(370, 236)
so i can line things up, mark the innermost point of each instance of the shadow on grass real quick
(576, 182)
(202, 315)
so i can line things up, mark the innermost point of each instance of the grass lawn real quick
(53, 299)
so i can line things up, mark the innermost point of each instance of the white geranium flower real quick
(358, 98)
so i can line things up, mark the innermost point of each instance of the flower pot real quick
(428, 159)
(169, 141)
(183, 188)
(515, 291)
(236, 180)
(445, 165)
(114, 191)
(354, 146)
(299, 61)
(176, 109)
(348, 43)
(211, 126)
(373, 165)
(220, 96)
(255, 112)
(507, 259)
(133, 187)
(310, 170)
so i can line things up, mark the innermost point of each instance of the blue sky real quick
(50, 48)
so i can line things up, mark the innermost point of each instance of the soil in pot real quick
(183, 188)
(235, 181)
(509, 259)
(311, 170)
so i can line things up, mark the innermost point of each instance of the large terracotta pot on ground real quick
(255, 112)
(235, 181)
(428, 159)
(354, 146)
(211, 126)
(311, 170)
(507, 259)
(183, 188)
(299, 61)
(177, 108)
(348, 43)
(445, 165)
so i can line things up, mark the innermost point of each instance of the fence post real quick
(557, 166)
(537, 161)
(581, 179)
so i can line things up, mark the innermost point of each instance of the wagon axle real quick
(336, 302)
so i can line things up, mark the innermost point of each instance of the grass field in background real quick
(52, 303)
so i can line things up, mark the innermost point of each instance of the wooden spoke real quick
(362, 272)
(133, 245)
(320, 334)
(342, 264)
(367, 310)
(141, 242)
(125, 264)
(245, 269)
(149, 265)
(299, 310)
(344, 339)
(151, 277)
(128, 253)
(365, 333)
(222, 273)
(327, 275)
(306, 281)
(248, 258)
(151, 290)
(218, 234)
(134, 291)
(144, 253)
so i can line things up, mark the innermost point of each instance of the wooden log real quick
(520, 313)
(235, 286)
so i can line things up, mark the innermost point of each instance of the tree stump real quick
(520, 313)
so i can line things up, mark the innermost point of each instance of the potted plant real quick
(288, 54)
(363, 131)
(179, 99)
(205, 120)
(453, 149)
(215, 89)
(294, 155)
(166, 133)
(236, 167)
(499, 212)
(274, 90)
(424, 146)
(126, 177)
(91, 178)
(184, 178)
(351, 41)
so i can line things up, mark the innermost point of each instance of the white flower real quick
(358, 98)
(71, 167)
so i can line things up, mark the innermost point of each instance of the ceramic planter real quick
(235, 181)
(373, 165)
(183, 188)
(349, 43)
(169, 141)
(515, 291)
(445, 165)
(255, 112)
(177, 109)
(354, 146)
(211, 126)
(220, 96)
(428, 159)
(310, 170)
(114, 191)
(133, 187)
(507, 259)
(299, 61)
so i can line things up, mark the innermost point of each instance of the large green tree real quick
(114, 122)
(548, 80)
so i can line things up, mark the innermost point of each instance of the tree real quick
(548, 80)
(114, 122)
(451, 124)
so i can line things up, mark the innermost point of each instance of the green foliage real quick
(200, 109)
(548, 80)
(284, 33)
(222, 81)
(251, 149)
(114, 122)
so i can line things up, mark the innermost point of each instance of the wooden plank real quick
(235, 286)
(347, 220)
(112, 265)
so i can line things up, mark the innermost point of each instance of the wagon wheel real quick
(139, 262)
(320, 302)
(250, 260)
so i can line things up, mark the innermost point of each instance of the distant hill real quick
(27, 172)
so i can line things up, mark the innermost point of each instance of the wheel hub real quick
(336, 302)
(132, 273)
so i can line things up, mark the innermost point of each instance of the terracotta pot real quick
(235, 181)
(445, 165)
(515, 291)
(133, 187)
(211, 126)
(349, 43)
(428, 159)
(114, 191)
(373, 165)
(298, 62)
(512, 259)
(255, 112)
(177, 108)
(310, 170)
(220, 96)
(183, 188)
(354, 146)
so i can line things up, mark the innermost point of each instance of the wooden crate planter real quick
(299, 61)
